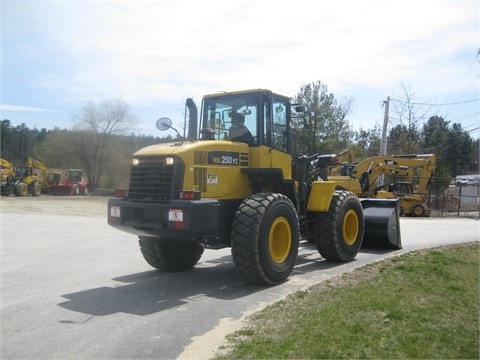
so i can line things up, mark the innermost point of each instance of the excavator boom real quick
(412, 174)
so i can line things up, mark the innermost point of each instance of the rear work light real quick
(190, 195)
(120, 193)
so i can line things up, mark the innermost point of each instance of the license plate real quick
(115, 211)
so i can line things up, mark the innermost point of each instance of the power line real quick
(434, 104)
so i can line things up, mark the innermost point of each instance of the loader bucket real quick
(382, 223)
(60, 190)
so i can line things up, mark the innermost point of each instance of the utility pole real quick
(383, 142)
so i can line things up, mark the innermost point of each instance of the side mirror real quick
(163, 124)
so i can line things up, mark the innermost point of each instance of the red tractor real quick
(73, 184)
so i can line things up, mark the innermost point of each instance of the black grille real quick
(153, 180)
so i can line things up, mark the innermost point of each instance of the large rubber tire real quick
(339, 232)
(265, 237)
(170, 254)
(21, 189)
(418, 210)
(36, 189)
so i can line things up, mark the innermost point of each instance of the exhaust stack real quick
(192, 120)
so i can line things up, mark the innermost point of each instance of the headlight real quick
(135, 161)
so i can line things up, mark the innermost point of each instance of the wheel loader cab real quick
(256, 118)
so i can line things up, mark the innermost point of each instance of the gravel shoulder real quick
(90, 206)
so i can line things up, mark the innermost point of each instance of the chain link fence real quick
(453, 200)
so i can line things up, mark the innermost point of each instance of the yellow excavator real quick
(411, 176)
(7, 174)
(43, 178)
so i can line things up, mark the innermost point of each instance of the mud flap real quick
(382, 223)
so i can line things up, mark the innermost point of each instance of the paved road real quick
(74, 288)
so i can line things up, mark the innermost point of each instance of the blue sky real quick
(59, 55)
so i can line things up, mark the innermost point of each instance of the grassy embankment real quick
(421, 305)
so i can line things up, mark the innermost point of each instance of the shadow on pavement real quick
(154, 291)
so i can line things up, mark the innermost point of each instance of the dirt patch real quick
(56, 205)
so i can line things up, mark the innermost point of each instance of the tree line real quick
(101, 142)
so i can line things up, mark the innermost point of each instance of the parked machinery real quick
(411, 175)
(7, 174)
(67, 182)
(258, 199)
(37, 167)
(23, 183)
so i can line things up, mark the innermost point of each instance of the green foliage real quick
(454, 147)
(328, 129)
(368, 142)
(403, 140)
(19, 142)
(421, 305)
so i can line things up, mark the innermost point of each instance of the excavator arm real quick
(414, 171)
(44, 170)
(7, 169)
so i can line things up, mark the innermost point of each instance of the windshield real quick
(220, 114)
(255, 118)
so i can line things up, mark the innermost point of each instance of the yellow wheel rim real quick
(418, 210)
(280, 240)
(350, 227)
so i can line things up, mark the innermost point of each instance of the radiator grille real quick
(153, 180)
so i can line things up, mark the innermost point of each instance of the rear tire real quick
(265, 238)
(418, 211)
(21, 189)
(170, 254)
(339, 232)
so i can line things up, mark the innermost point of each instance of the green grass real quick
(421, 305)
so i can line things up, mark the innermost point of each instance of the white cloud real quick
(6, 107)
(148, 52)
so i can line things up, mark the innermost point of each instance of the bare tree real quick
(94, 127)
(408, 117)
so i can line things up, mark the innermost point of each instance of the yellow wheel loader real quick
(260, 199)
(23, 183)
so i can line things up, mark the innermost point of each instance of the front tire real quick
(265, 238)
(339, 232)
(170, 254)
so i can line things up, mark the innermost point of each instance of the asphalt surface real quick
(74, 288)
